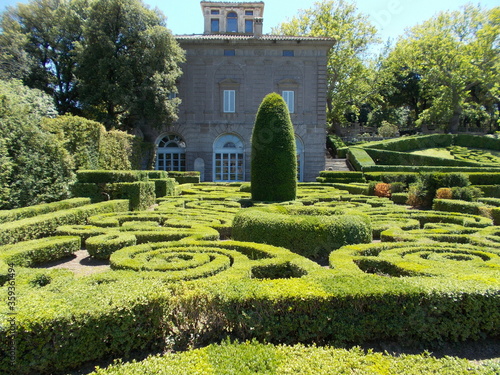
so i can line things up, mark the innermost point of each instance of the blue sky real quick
(391, 17)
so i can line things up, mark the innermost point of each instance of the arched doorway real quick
(229, 158)
(171, 153)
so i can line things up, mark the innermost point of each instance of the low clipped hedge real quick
(141, 194)
(251, 357)
(101, 247)
(359, 158)
(46, 225)
(40, 209)
(33, 252)
(191, 177)
(342, 177)
(405, 144)
(164, 187)
(386, 157)
(454, 205)
(96, 317)
(484, 178)
(107, 177)
(492, 191)
(312, 236)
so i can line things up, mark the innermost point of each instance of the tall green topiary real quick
(274, 160)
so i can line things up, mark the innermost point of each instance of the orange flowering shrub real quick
(382, 190)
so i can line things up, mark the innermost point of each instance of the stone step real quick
(336, 165)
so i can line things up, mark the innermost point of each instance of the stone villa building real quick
(228, 71)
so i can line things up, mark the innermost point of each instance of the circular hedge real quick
(313, 236)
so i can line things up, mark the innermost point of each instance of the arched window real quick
(171, 154)
(300, 158)
(232, 22)
(229, 158)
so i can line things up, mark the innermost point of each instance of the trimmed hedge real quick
(72, 321)
(40, 209)
(341, 177)
(311, 235)
(256, 358)
(165, 187)
(46, 225)
(141, 194)
(454, 205)
(484, 178)
(359, 158)
(29, 253)
(274, 157)
(385, 157)
(106, 177)
(492, 191)
(191, 177)
(405, 144)
(101, 247)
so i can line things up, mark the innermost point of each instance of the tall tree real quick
(455, 56)
(40, 37)
(39, 168)
(111, 60)
(348, 76)
(128, 65)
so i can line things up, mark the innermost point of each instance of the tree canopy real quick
(348, 73)
(113, 61)
(447, 70)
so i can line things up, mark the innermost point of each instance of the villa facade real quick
(228, 71)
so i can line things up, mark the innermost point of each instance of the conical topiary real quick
(274, 159)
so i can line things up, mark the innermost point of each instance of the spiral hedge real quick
(186, 281)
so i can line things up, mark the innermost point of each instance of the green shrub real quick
(46, 225)
(111, 176)
(256, 358)
(397, 158)
(81, 137)
(82, 231)
(312, 236)
(405, 144)
(120, 151)
(165, 187)
(475, 141)
(388, 130)
(40, 209)
(492, 191)
(34, 252)
(484, 178)
(341, 177)
(363, 189)
(37, 168)
(423, 191)
(399, 198)
(467, 193)
(452, 205)
(101, 247)
(141, 194)
(191, 177)
(335, 143)
(274, 160)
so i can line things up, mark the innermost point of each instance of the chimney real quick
(258, 27)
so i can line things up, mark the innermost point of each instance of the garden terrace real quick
(194, 271)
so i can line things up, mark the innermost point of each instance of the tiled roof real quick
(214, 37)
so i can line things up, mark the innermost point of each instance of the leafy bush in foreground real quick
(254, 358)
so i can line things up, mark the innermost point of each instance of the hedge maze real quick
(257, 288)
